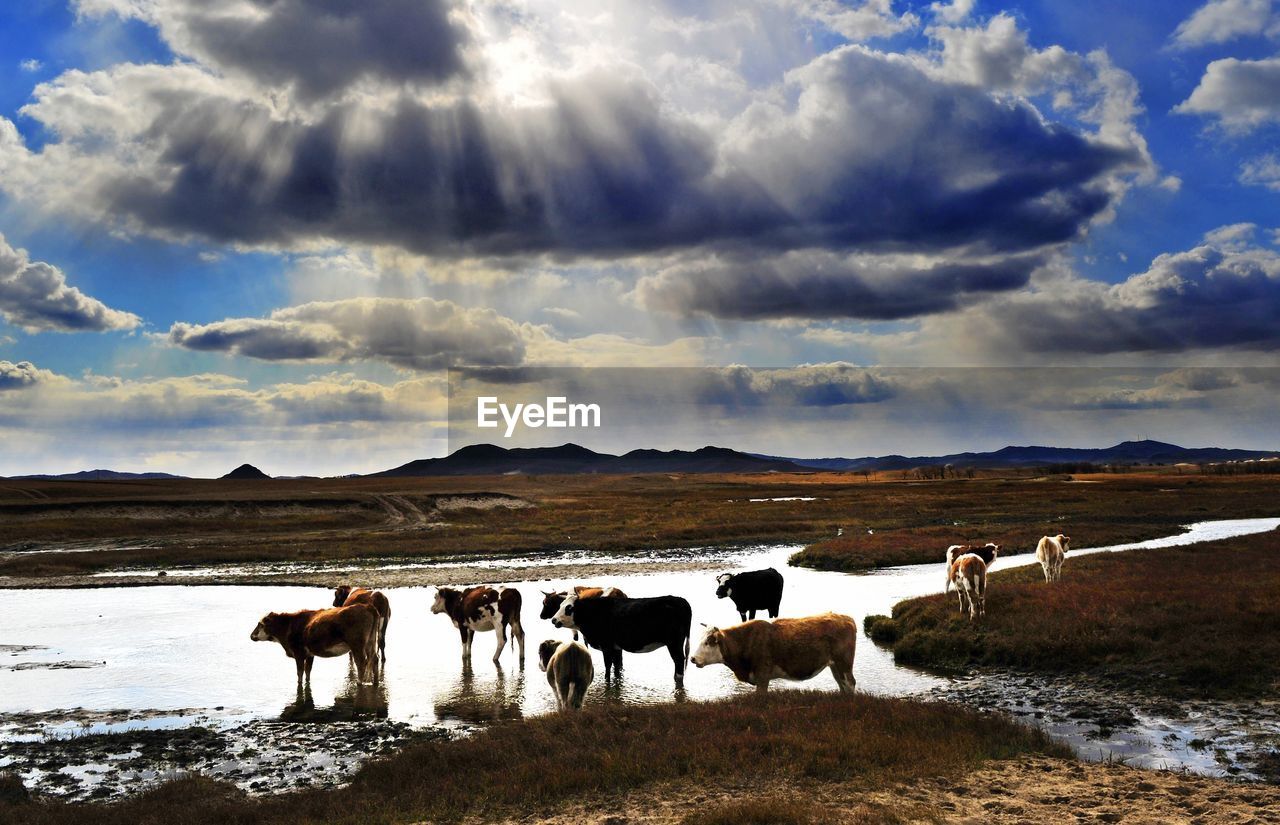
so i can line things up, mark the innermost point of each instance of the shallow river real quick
(178, 653)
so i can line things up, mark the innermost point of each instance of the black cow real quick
(756, 590)
(634, 625)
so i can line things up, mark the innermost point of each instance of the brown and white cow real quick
(552, 599)
(344, 595)
(334, 631)
(1050, 552)
(796, 649)
(481, 609)
(987, 552)
(969, 575)
(569, 671)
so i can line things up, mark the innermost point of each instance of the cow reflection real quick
(353, 701)
(497, 701)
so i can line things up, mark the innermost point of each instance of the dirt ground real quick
(1027, 791)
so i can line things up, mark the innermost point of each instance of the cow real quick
(756, 590)
(634, 625)
(969, 575)
(334, 631)
(569, 671)
(344, 595)
(987, 552)
(551, 599)
(1050, 552)
(482, 608)
(796, 649)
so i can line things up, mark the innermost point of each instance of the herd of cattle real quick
(756, 651)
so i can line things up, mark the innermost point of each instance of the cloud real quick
(1261, 171)
(1220, 21)
(35, 296)
(420, 333)
(314, 47)
(1241, 94)
(815, 284)
(31, 65)
(954, 11)
(24, 374)
(1222, 294)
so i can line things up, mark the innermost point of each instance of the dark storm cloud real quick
(317, 46)
(23, 374)
(416, 333)
(821, 285)
(1224, 293)
(873, 153)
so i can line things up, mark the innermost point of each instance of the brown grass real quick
(190, 522)
(866, 741)
(1203, 619)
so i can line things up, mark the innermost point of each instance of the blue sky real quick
(229, 229)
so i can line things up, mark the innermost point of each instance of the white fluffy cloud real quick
(24, 374)
(1220, 21)
(35, 296)
(1262, 171)
(1241, 94)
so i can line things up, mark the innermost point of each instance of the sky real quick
(263, 230)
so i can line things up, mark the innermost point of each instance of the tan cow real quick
(335, 631)
(346, 594)
(987, 552)
(969, 575)
(1050, 552)
(569, 671)
(759, 651)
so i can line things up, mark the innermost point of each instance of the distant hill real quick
(246, 471)
(97, 475)
(1128, 452)
(489, 459)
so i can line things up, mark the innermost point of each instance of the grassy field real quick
(794, 737)
(99, 525)
(1201, 620)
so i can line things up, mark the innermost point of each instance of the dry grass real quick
(1194, 620)
(865, 741)
(193, 522)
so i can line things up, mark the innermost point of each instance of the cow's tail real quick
(568, 694)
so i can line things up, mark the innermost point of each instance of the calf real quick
(634, 625)
(1050, 552)
(795, 649)
(987, 552)
(482, 608)
(756, 590)
(551, 599)
(335, 631)
(346, 594)
(969, 575)
(569, 671)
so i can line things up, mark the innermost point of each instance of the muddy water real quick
(111, 659)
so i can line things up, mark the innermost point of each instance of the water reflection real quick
(354, 701)
(497, 701)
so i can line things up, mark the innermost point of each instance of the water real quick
(173, 653)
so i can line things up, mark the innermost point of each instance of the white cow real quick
(969, 575)
(1050, 552)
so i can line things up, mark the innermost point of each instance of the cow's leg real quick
(499, 630)
(307, 668)
(762, 685)
(773, 611)
(301, 665)
(743, 614)
(467, 635)
(1044, 565)
(843, 672)
(517, 631)
(751, 614)
(676, 649)
(382, 640)
(360, 655)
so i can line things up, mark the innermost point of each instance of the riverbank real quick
(66, 532)
(539, 766)
(1199, 621)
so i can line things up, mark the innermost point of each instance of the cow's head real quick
(1064, 541)
(545, 651)
(340, 595)
(551, 602)
(444, 596)
(709, 652)
(564, 616)
(724, 585)
(995, 550)
(261, 633)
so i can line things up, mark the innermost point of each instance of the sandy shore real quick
(1029, 791)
